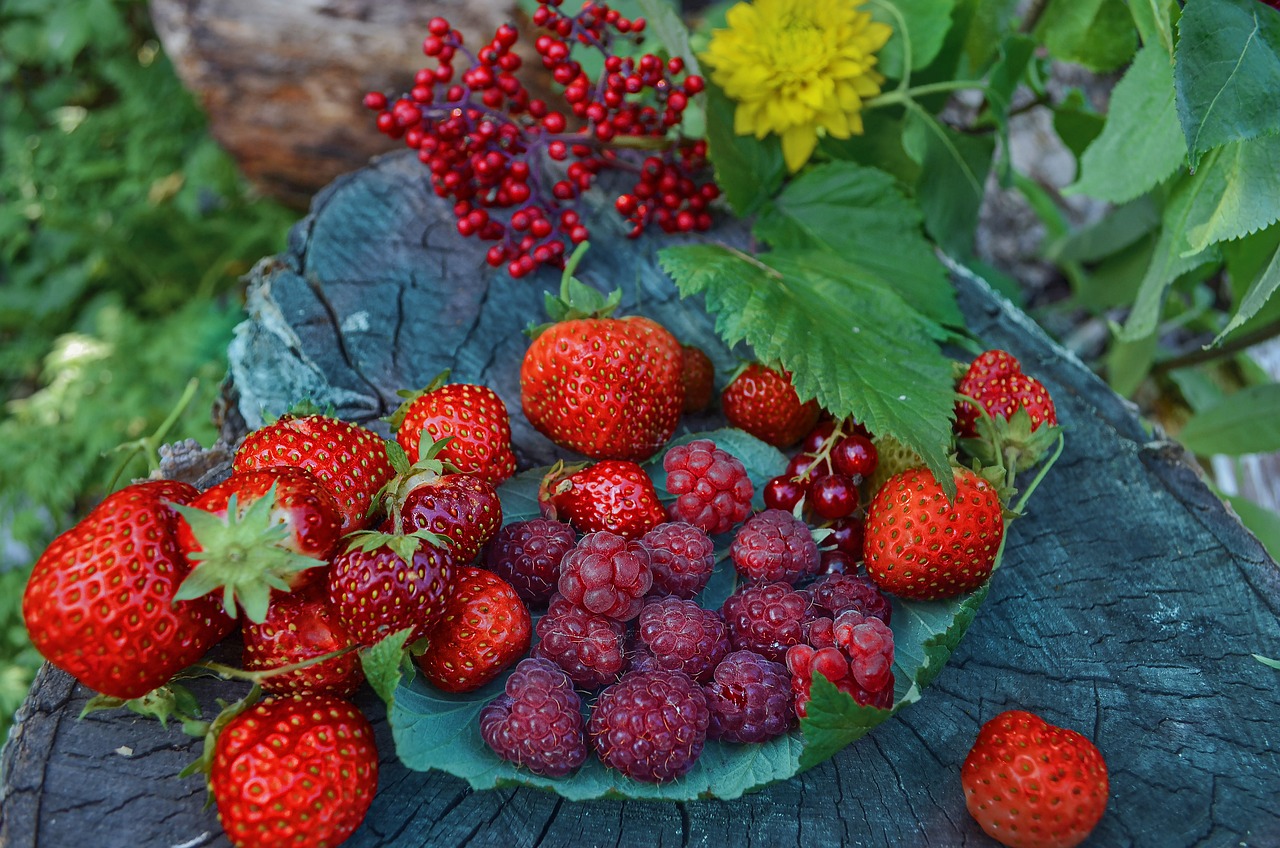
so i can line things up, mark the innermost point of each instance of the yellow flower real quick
(797, 66)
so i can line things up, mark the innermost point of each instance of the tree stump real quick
(1128, 606)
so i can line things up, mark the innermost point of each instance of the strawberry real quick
(763, 402)
(298, 627)
(1032, 785)
(606, 387)
(296, 770)
(348, 459)
(255, 531)
(485, 628)
(101, 600)
(475, 420)
(918, 545)
(614, 495)
(1017, 422)
(698, 376)
(382, 584)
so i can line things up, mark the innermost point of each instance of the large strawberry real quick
(348, 459)
(473, 418)
(1032, 785)
(763, 402)
(614, 495)
(101, 604)
(301, 626)
(296, 770)
(919, 545)
(609, 388)
(383, 584)
(485, 628)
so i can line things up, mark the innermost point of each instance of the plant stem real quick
(902, 96)
(1208, 354)
(1044, 469)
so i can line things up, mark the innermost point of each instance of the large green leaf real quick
(748, 170)
(1098, 34)
(919, 28)
(1141, 143)
(860, 213)
(953, 176)
(849, 340)
(1227, 73)
(1154, 20)
(1248, 198)
(1253, 264)
(1245, 422)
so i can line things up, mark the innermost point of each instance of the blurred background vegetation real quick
(124, 232)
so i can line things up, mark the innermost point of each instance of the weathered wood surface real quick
(1128, 606)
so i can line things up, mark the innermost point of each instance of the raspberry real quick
(607, 575)
(651, 725)
(711, 486)
(682, 558)
(749, 698)
(775, 546)
(766, 618)
(588, 647)
(682, 636)
(832, 594)
(869, 643)
(537, 723)
(527, 555)
(859, 662)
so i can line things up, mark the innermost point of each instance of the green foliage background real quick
(124, 231)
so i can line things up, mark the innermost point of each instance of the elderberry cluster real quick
(515, 167)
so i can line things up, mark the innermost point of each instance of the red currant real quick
(855, 456)
(783, 492)
(833, 496)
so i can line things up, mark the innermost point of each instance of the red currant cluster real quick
(833, 461)
(516, 167)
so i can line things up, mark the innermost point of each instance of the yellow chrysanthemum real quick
(795, 66)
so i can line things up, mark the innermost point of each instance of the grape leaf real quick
(1227, 65)
(1098, 34)
(860, 213)
(1141, 143)
(850, 341)
(919, 27)
(1249, 199)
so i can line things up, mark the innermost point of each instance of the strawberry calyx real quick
(242, 554)
(555, 483)
(410, 396)
(576, 299)
(172, 700)
(391, 497)
(210, 730)
(403, 545)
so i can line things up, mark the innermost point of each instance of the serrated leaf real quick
(1141, 143)
(852, 343)
(1227, 72)
(748, 170)
(834, 720)
(1098, 34)
(1154, 20)
(1245, 422)
(386, 663)
(953, 176)
(1249, 200)
(1258, 293)
(919, 27)
(860, 213)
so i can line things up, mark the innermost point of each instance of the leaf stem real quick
(747, 257)
(901, 25)
(1208, 354)
(901, 96)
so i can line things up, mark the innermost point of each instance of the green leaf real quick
(664, 23)
(926, 25)
(852, 343)
(1141, 143)
(1006, 74)
(1098, 34)
(1154, 21)
(1245, 422)
(860, 213)
(1261, 522)
(386, 663)
(1129, 362)
(1253, 264)
(1123, 226)
(748, 170)
(1227, 67)
(953, 176)
(833, 721)
(1076, 122)
(1249, 199)
(988, 22)
(1267, 660)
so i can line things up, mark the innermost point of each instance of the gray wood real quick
(1128, 606)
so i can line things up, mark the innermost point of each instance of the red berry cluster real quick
(490, 146)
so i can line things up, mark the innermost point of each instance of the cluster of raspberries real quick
(621, 621)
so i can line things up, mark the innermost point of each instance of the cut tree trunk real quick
(1128, 606)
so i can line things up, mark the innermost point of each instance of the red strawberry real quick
(298, 770)
(100, 602)
(1032, 785)
(463, 509)
(475, 420)
(614, 495)
(918, 545)
(301, 626)
(383, 584)
(348, 459)
(609, 388)
(995, 380)
(698, 376)
(485, 628)
(763, 402)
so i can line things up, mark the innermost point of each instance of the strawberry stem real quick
(230, 672)
(1044, 469)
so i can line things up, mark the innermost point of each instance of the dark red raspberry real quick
(832, 594)
(588, 647)
(527, 554)
(775, 546)
(749, 698)
(859, 663)
(641, 659)
(607, 575)
(766, 618)
(682, 558)
(683, 636)
(868, 642)
(650, 725)
(537, 723)
(711, 486)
